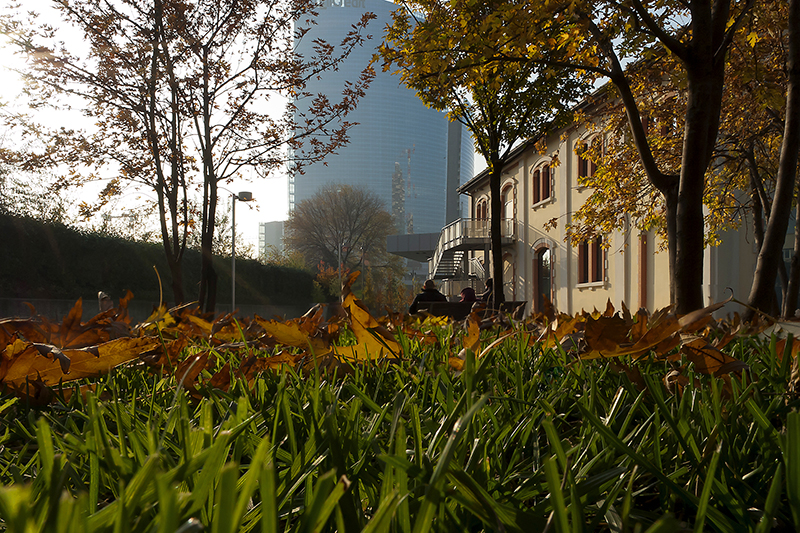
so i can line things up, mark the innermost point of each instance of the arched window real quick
(507, 198)
(481, 210)
(543, 286)
(541, 184)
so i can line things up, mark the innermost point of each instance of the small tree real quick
(762, 291)
(341, 226)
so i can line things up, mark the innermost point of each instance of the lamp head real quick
(245, 196)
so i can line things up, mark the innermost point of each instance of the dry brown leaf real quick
(563, 327)
(709, 360)
(633, 373)
(373, 339)
(189, 369)
(472, 339)
(780, 348)
(639, 327)
(290, 333)
(606, 336)
(698, 319)
(48, 365)
(675, 382)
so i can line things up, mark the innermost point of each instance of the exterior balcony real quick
(447, 252)
(460, 237)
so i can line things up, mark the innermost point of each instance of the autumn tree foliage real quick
(741, 183)
(501, 104)
(621, 193)
(345, 227)
(180, 94)
(596, 39)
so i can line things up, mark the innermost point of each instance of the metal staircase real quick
(459, 237)
(450, 262)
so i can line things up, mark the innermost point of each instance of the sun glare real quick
(10, 63)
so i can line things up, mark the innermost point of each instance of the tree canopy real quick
(340, 222)
(500, 103)
(344, 228)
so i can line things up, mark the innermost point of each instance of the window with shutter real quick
(597, 260)
(591, 263)
(545, 182)
(583, 262)
(587, 167)
(583, 166)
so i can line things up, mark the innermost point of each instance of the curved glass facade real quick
(399, 149)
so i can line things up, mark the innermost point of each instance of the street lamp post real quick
(243, 196)
(341, 300)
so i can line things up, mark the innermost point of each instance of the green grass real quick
(521, 440)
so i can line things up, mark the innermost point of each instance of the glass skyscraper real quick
(408, 154)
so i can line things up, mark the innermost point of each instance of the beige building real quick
(624, 266)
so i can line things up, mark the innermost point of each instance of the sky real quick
(270, 196)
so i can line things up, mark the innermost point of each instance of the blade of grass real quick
(223, 520)
(791, 457)
(269, 498)
(430, 503)
(326, 494)
(556, 495)
(382, 519)
(773, 498)
(167, 506)
(249, 482)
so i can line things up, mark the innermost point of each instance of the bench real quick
(454, 310)
(461, 310)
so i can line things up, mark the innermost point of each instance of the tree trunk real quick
(704, 60)
(496, 235)
(176, 275)
(208, 276)
(173, 237)
(705, 87)
(775, 235)
(671, 203)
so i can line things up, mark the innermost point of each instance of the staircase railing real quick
(476, 268)
(466, 228)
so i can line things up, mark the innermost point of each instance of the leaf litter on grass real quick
(36, 354)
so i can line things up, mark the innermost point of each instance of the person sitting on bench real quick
(429, 294)
(468, 295)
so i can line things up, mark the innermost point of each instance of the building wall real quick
(635, 264)
(396, 132)
(270, 234)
